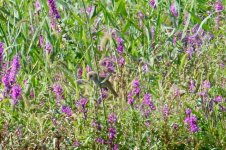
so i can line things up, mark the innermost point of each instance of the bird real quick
(102, 81)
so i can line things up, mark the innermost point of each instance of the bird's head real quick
(92, 75)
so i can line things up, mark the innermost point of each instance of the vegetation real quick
(60, 61)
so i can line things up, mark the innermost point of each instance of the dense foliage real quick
(62, 61)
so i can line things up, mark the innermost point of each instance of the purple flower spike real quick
(41, 41)
(188, 111)
(121, 62)
(48, 47)
(136, 87)
(145, 68)
(130, 98)
(112, 133)
(81, 105)
(83, 102)
(166, 111)
(79, 73)
(57, 89)
(152, 3)
(52, 9)
(76, 144)
(16, 93)
(112, 118)
(16, 63)
(120, 45)
(88, 69)
(67, 110)
(147, 101)
(218, 6)
(5, 81)
(218, 99)
(37, 5)
(206, 84)
(175, 126)
(115, 147)
(191, 121)
(100, 141)
(15, 69)
(192, 86)
(173, 10)
(96, 125)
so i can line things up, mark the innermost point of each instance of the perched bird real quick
(101, 81)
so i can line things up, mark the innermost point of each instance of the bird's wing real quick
(105, 78)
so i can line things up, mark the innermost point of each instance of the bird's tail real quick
(113, 91)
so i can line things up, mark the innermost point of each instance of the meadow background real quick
(167, 65)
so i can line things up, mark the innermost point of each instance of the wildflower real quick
(16, 93)
(218, 6)
(76, 144)
(203, 94)
(206, 84)
(145, 112)
(218, 99)
(52, 9)
(192, 86)
(152, 32)
(79, 73)
(48, 47)
(121, 61)
(188, 111)
(165, 111)
(103, 95)
(185, 18)
(120, 45)
(100, 140)
(191, 121)
(41, 41)
(112, 118)
(145, 68)
(130, 98)
(18, 132)
(147, 101)
(112, 133)
(222, 108)
(190, 51)
(89, 10)
(81, 104)
(147, 123)
(37, 5)
(140, 17)
(174, 40)
(177, 92)
(119, 40)
(175, 126)
(173, 10)
(96, 125)
(32, 94)
(88, 69)
(58, 90)
(136, 87)
(115, 147)
(67, 110)
(14, 69)
(152, 3)
(5, 81)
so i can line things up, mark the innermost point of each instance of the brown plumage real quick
(101, 81)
